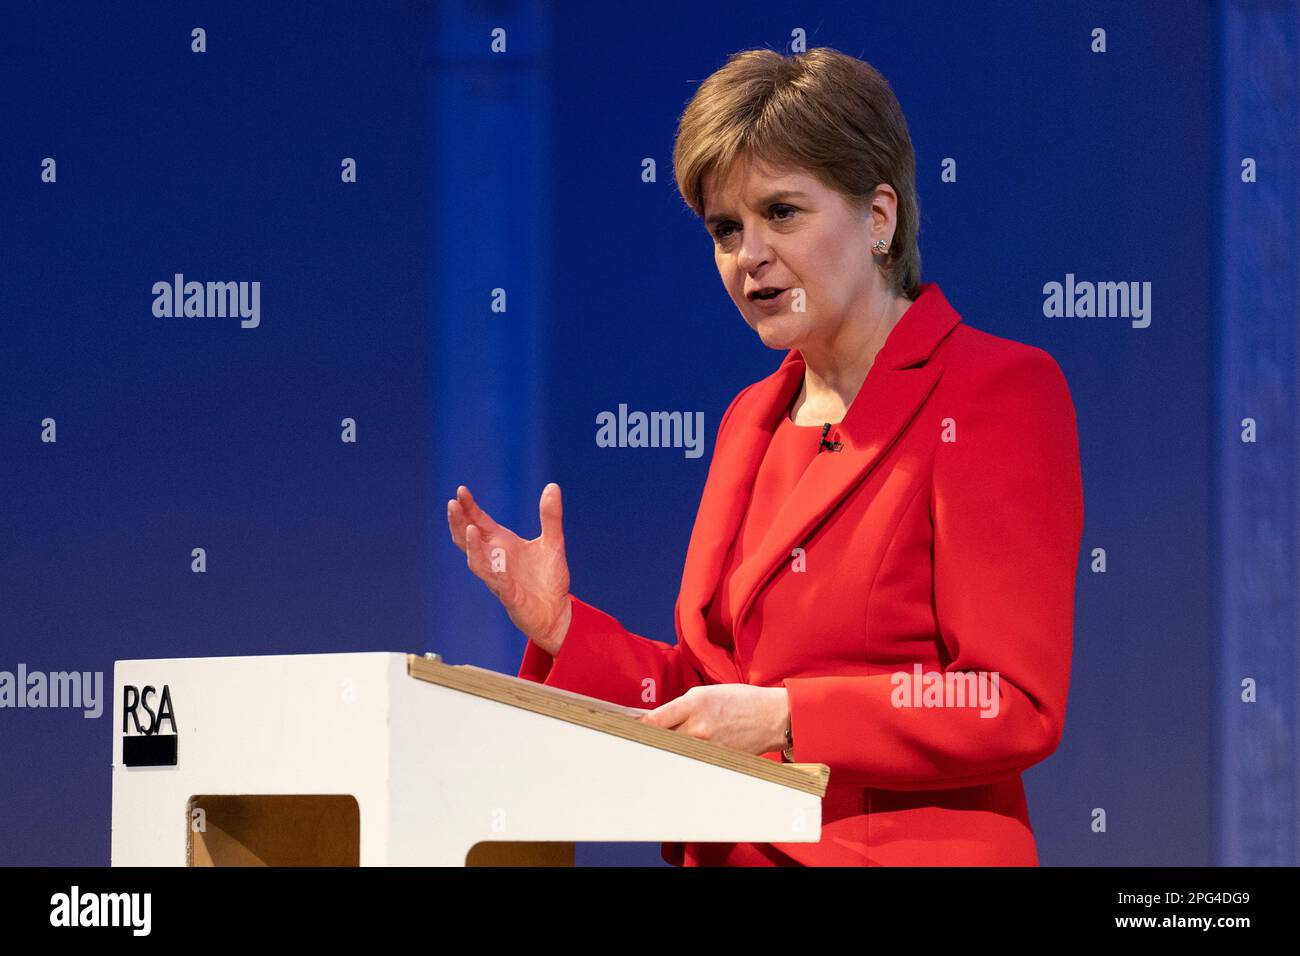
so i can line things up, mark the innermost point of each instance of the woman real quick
(881, 573)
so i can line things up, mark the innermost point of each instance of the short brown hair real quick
(821, 110)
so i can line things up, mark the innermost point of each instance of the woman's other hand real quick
(529, 578)
(740, 716)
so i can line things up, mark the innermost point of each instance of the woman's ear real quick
(884, 211)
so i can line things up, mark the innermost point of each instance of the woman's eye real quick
(723, 232)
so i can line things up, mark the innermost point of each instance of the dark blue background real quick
(522, 171)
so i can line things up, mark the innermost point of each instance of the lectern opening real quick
(273, 830)
(494, 853)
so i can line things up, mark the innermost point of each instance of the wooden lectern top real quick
(613, 719)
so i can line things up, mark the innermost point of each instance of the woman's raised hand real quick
(529, 578)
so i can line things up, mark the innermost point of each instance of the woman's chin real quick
(777, 332)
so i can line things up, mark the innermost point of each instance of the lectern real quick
(380, 759)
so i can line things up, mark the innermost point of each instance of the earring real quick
(879, 245)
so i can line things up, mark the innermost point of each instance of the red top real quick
(788, 454)
(956, 557)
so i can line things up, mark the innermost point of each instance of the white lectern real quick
(393, 759)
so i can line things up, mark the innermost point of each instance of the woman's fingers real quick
(464, 510)
(456, 523)
(551, 510)
(474, 514)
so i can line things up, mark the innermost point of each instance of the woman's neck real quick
(834, 373)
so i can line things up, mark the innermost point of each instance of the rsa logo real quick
(145, 710)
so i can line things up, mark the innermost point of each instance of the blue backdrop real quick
(521, 171)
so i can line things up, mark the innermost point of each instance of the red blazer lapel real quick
(900, 380)
(723, 503)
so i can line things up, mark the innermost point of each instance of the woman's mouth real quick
(771, 302)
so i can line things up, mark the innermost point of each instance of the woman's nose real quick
(753, 250)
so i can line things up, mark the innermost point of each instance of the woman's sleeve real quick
(600, 658)
(1007, 516)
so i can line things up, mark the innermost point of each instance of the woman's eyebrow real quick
(765, 201)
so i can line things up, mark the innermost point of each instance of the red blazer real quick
(944, 534)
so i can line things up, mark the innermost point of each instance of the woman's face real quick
(786, 230)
